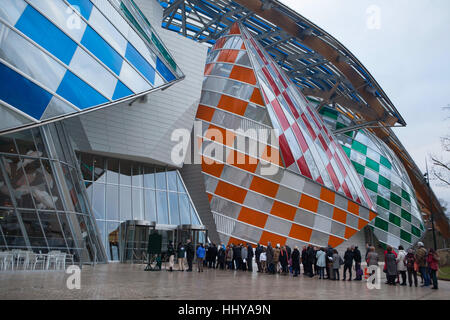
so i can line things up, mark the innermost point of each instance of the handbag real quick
(416, 267)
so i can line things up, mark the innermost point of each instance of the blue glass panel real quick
(79, 92)
(164, 71)
(140, 63)
(102, 50)
(84, 5)
(22, 93)
(46, 34)
(121, 91)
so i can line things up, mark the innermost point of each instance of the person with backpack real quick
(348, 264)
(337, 262)
(411, 267)
(421, 259)
(433, 264)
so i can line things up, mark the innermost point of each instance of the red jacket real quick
(385, 253)
(433, 263)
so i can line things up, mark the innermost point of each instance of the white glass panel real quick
(11, 10)
(132, 79)
(57, 107)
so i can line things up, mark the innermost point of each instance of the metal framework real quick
(319, 64)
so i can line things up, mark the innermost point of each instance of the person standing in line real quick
(237, 257)
(391, 266)
(304, 260)
(311, 258)
(221, 257)
(321, 263)
(401, 264)
(171, 254)
(284, 260)
(258, 252)
(348, 264)
(269, 254)
(411, 267)
(329, 262)
(250, 255)
(372, 259)
(357, 258)
(263, 259)
(181, 254)
(295, 258)
(421, 259)
(229, 257)
(433, 264)
(289, 256)
(244, 254)
(201, 252)
(189, 254)
(276, 257)
(337, 261)
(315, 268)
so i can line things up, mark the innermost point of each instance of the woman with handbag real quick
(433, 264)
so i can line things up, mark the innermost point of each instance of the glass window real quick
(174, 212)
(99, 169)
(125, 203)
(39, 140)
(65, 227)
(163, 216)
(112, 231)
(98, 201)
(149, 177)
(101, 225)
(125, 173)
(112, 175)
(194, 217)
(5, 198)
(184, 209)
(161, 179)
(136, 176)
(112, 202)
(11, 229)
(138, 204)
(52, 230)
(33, 229)
(13, 166)
(180, 184)
(150, 205)
(51, 182)
(38, 179)
(25, 143)
(7, 144)
(86, 166)
(172, 179)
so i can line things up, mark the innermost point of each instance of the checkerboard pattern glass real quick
(315, 196)
(61, 57)
(399, 221)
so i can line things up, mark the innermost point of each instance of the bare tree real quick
(440, 168)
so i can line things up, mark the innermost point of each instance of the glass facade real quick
(121, 190)
(42, 203)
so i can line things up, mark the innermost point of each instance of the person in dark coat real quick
(212, 256)
(249, 257)
(357, 259)
(189, 254)
(310, 260)
(284, 260)
(289, 256)
(304, 260)
(348, 263)
(221, 257)
(258, 252)
(391, 266)
(237, 257)
(329, 263)
(295, 256)
(269, 255)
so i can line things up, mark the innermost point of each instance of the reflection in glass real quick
(136, 176)
(13, 166)
(172, 180)
(184, 209)
(125, 203)
(161, 179)
(113, 240)
(112, 202)
(5, 198)
(138, 204)
(33, 228)
(174, 212)
(150, 205)
(98, 200)
(86, 166)
(125, 173)
(163, 216)
(149, 178)
(99, 169)
(52, 230)
(11, 229)
(112, 175)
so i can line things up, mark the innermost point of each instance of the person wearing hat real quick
(421, 259)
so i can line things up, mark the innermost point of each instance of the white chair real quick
(21, 257)
(52, 258)
(60, 261)
(39, 258)
(7, 259)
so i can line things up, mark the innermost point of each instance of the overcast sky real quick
(405, 45)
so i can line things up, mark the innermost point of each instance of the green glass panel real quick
(380, 223)
(340, 125)
(396, 199)
(406, 215)
(373, 165)
(359, 147)
(405, 195)
(163, 51)
(422, 227)
(384, 182)
(383, 202)
(359, 168)
(415, 231)
(347, 150)
(369, 184)
(350, 134)
(329, 113)
(385, 162)
(383, 245)
(394, 219)
(405, 236)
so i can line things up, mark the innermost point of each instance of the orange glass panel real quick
(232, 105)
(353, 207)
(372, 215)
(327, 195)
(334, 241)
(272, 155)
(230, 191)
(205, 113)
(220, 135)
(242, 161)
(264, 186)
(283, 210)
(349, 232)
(214, 169)
(257, 98)
(309, 203)
(210, 197)
(227, 55)
(362, 223)
(235, 29)
(208, 68)
(274, 239)
(253, 217)
(300, 232)
(235, 241)
(339, 215)
(243, 74)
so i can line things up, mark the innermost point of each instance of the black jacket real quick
(258, 251)
(189, 251)
(170, 250)
(357, 255)
(348, 258)
(237, 252)
(304, 256)
(296, 259)
(249, 252)
(221, 255)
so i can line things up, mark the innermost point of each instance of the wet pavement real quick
(125, 281)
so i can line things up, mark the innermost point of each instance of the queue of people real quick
(325, 263)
